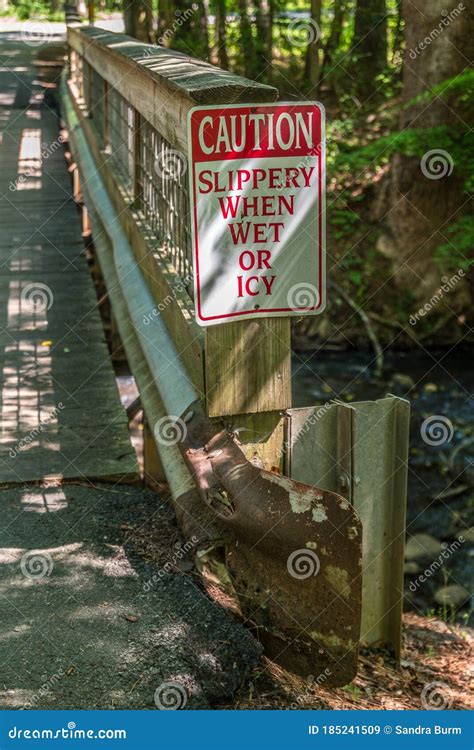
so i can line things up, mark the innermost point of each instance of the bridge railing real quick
(136, 97)
(126, 106)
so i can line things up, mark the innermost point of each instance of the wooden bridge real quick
(218, 423)
(57, 379)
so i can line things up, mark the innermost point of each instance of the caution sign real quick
(257, 201)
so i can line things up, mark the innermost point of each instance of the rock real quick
(325, 327)
(386, 246)
(453, 596)
(402, 380)
(468, 535)
(422, 546)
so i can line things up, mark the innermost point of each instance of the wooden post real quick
(153, 471)
(105, 123)
(76, 185)
(137, 161)
(248, 381)
(86, 224)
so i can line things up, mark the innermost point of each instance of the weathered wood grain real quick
(248, 367)
(162, 84)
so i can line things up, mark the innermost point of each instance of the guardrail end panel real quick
(310, 624)
(295, 557)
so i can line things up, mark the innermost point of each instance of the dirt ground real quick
(434, 674)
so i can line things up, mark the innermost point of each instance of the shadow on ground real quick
(87, 623)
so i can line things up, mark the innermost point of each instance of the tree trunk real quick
(221, 34)
(91, 12)
(190, 28)
(421, 197)
(397, 34)
(165, 22)
(247, 45)
(264, 49)
(204, 26)
(369, 45)
(332, 44)
(138, 19)
(314, 42)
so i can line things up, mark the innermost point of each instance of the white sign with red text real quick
(257, 203)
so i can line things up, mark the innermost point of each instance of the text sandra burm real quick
(427, 730)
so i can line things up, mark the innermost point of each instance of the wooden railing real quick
(137, 97)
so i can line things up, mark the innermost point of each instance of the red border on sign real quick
(249, 153)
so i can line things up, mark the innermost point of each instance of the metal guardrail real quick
(361, 450)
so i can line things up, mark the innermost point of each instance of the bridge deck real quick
(60, 409)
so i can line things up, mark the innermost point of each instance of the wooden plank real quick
(153, 471)
(248, 379)
(60, 409)
(248, 367)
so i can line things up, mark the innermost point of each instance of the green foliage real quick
(459, 91)
(359, 268)
(344, 221)
(458, 252)
(25, 9)
(41, 9)
(353, 690)
(413, 142)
